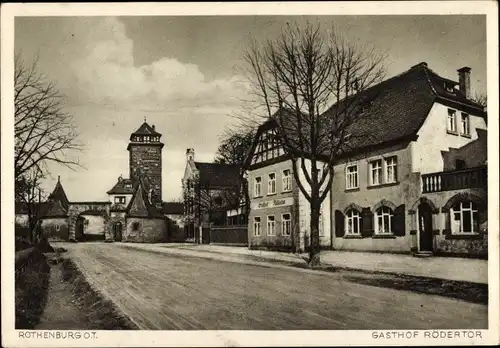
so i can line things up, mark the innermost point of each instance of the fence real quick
(229, 235)
(25, 258)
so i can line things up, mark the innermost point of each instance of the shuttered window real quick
(383, 219)
(352, 222)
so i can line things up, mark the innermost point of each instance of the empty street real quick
(172, 292)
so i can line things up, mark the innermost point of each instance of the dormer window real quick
(449, 88)
(128, 186)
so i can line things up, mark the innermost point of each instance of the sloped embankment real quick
(73, 304)
(31, 286)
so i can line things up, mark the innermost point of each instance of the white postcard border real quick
(11, 337)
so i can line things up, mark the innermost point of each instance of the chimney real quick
(464, 81)
(153, 126)
(190, 154)
(58, 178)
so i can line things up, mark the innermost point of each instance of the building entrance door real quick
(117, 231)
(425, 227)
(79, 236)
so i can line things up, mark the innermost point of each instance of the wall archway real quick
(76, 209)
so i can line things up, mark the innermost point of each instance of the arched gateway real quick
(76, 209)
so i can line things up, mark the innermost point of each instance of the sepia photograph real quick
(286, 174)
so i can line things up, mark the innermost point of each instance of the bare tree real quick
(301, 75)
(44, 132)
(481, 99)
(30, 195)
(234, 147)
(208, 204)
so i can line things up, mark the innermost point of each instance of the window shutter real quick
(339, 224)
(366, 222)
(398, 222)
(447, 223)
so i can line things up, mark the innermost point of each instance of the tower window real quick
(120, 199)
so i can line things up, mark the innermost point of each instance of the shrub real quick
(31, 293)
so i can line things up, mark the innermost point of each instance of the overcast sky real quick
(182, 74)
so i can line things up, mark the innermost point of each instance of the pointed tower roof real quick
(58, 195)
(145, 129)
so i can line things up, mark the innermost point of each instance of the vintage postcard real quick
(250, 174)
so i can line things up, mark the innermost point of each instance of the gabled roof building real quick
(210, 190)
(412, 179)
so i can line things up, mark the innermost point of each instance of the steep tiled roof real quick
(394, 109)
(397, 108)
(145, 129)
(24, 208)
(218, 175)
(122, 186)
(41, 210)
(55, 209)
(139, 205)
(59, 195)
(173, 208)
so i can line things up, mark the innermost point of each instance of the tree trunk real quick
(314, 256)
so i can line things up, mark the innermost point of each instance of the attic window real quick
(449, 88)
(128, 186)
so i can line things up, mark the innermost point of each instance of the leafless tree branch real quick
(312, 82)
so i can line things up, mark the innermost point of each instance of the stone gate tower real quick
(145, 158)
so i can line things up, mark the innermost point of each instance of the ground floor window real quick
(286, 225)
(383, 219)
(270, 225)
(464, 218)
(135, 226)
(256, 226)
(353, 222)
(58, 227)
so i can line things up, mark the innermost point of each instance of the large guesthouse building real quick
(417, 184)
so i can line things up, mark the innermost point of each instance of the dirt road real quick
(172, 292)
